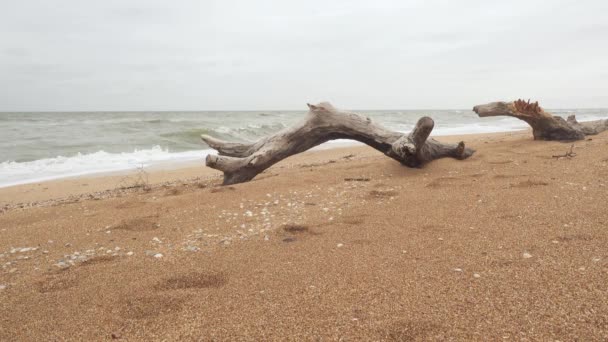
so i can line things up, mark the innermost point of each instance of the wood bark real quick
(545, 126)
(242, 162)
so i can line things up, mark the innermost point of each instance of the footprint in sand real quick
(292, 232)
(172, 192)
(440, 182)
(138, 224)
(383, 193)
(130, 205)
(222, 189)
(150, 306)
(194, 281)
(57, 281)
(354, 220)
(529, 184)
(574, 238)
(411, 331)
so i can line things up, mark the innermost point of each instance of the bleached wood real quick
(544, 125)
(242, 162)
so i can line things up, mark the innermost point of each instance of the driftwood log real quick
(544, 125)
(242, 162)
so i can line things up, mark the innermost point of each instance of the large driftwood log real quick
(544, 125)
(242, 162)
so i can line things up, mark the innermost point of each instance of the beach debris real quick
(569, 154)
(158, 255)
(545, 126)
(242, 162)
(340, 245)
(23, 249)
(62, 264)
(476, 275)
(458, 270)
(526, 255)
(156, 240)
(129, 253)
(192, 248)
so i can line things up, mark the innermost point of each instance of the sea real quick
(42, 146)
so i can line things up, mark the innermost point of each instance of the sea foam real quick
(15, 173)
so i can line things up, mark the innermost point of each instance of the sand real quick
(341, 244)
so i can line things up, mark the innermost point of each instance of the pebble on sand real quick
(158, 255)
(476, 275)
(340, 245)
(458, 270)
(526, 255)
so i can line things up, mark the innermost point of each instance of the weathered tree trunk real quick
(242, 162)
(544, 125)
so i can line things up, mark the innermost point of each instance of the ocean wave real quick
(247, 133)
(15, 173)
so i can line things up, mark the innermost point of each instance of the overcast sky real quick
(252, 55)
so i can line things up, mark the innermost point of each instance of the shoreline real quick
(167, 172)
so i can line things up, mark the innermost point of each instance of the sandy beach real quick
(340, 244)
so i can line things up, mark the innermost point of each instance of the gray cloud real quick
(197, 55)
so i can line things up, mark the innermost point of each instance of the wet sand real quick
(328, 245)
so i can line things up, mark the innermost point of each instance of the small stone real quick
(440, 239)
(581, 268)
(526, 255)
(108, 231)
(130, 253)
(192, 248)
(476, 275)
(248, 213)
(2, 287)
(62, 264)
(340, 245)
(458, 270)
(12, 270)
(266, 237)
(156, 240)
(554, 241)
(68, 245)
(158, 255)
(596, 259)
(116, 248)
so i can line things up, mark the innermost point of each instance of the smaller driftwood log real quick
(242, 162)
(544, 125)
